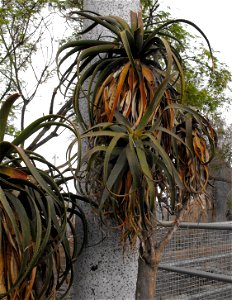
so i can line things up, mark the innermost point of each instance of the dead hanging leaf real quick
(199, 146)
(134, 113)
(101, 89)
(131, 91)
(106, 103)
(121, 104)
(142, 102)
(123, 97)
(171, 111)
(13, 173)
(2, 275)
(112, 96)
(148, 74)
(112, 87)
(131, 79)
(127, 105)
(30, 286)
(120, 84)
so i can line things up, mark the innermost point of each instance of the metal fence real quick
(197, 263)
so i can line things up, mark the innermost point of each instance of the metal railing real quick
(197, 263)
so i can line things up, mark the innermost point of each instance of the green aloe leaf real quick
(78, 45)
(102, 133)
(181, 74)
(9, 210)
(139, 39)
(167, 161)
(118, 168)
(160, 90)
(141, 153)
(109, 152)
(128, 45)
(4, 113)
(87, 157)
(38, 124)
(122, 120)
(100, 21)
(134, 21)
(24, 235)
(66, 75)
(67, 55)
(174, 136)
(136, 172)
(96, 50)
(149, 41)
(30, 166)
(120, 21)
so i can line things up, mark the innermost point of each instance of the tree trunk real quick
(146, 280)
(149, 258)
(103, 271)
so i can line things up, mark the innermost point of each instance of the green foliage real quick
(21, 32)
(207, 90)
(74, 4)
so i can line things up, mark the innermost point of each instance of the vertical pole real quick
(103, 271)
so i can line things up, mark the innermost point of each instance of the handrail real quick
(198, 273)
(215, 226)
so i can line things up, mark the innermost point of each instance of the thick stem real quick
(146, 280)
(148, 263)
(151, 251)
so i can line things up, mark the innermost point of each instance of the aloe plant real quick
(129, 72)
(146, 149)
(37, 238)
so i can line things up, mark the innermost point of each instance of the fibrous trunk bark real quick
(148, 262)
(146, 280)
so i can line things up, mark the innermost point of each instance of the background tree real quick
(22, 31)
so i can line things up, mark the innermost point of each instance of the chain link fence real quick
(197, 264)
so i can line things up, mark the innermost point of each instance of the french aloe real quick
(37, 235)
(134, 84)
(146, 151)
